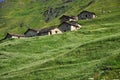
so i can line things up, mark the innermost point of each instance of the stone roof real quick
(70, 23)
(29, 29)
(87, 12)
(18, 35)
(67, 17)
(47, 29)
(9, 35)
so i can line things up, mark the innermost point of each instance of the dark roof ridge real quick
(47, 29)
(12, 34)
(70, 23)
(87, 11)
(31, 29)
(72, 16)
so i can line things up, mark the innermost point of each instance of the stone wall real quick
(65, 27)
(55, 31)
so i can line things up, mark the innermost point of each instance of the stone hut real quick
(65, 18)
(31, 32)
(69, 26)
(49, 31)
(10, 35)
(86, 15)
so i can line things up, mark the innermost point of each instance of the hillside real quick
(91, 52)
(17, 16)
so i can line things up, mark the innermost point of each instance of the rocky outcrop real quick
(52, 13)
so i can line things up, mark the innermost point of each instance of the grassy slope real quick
(30, 14)
(73, 55)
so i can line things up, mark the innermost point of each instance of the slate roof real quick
(29, 29)
(67, 17)
(9, 35)
(47, 29)
(18, 35)
(87, 12)
(70, 23)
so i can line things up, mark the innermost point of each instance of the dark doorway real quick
(64, 30)
(86, 16)
(50, 33)
(56, 31)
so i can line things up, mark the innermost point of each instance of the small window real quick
(67, 26)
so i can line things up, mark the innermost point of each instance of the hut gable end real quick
(69, 26)
(64, 27)
(86, 15)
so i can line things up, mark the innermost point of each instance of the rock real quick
(52, 13)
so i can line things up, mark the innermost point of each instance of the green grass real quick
(91, 52)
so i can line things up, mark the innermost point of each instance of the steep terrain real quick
(91, 52)
(17, 16)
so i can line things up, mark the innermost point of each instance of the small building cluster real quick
(67, 23)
